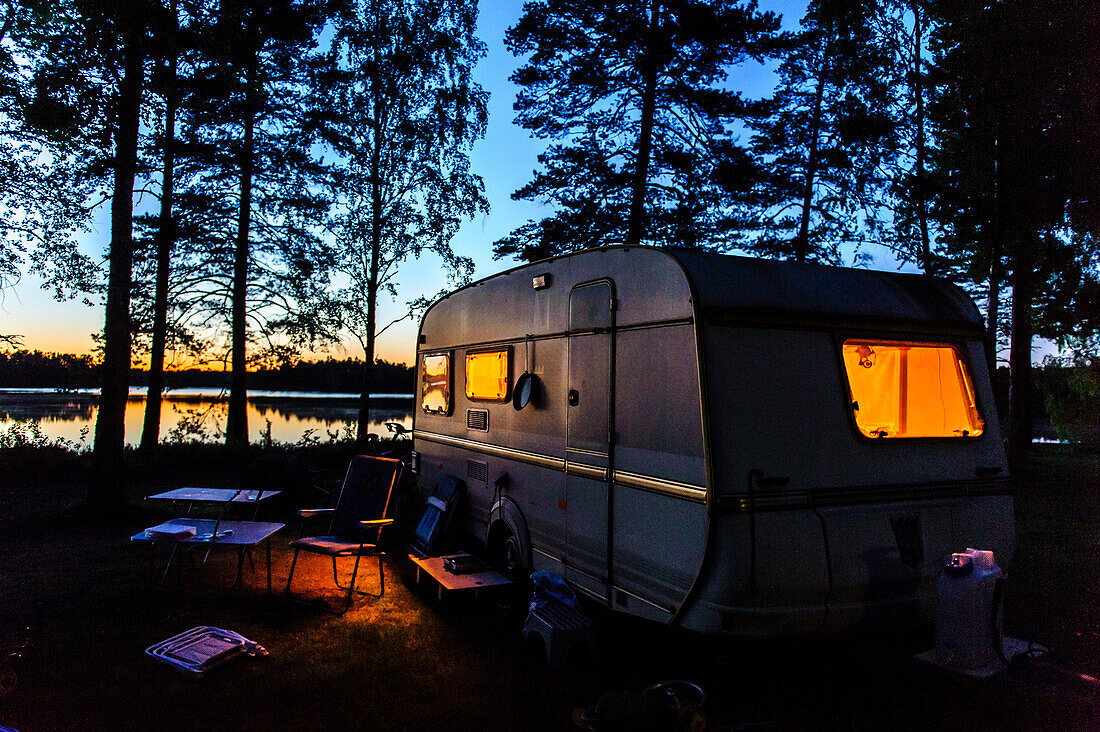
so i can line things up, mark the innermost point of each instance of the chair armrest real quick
(306, 513)
(311, 512)
(374, 525)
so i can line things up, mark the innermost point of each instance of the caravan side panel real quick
(847, 529)
(649, 493)
(660, 498)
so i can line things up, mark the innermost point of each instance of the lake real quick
(200, 414)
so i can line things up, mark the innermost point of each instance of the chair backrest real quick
(365, 494)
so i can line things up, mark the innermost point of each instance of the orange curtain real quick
(487, 375)
(910, 390)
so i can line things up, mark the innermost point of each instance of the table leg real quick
(152, 561)
(179, 565)
(268, 546)
(238, 580)
(168, 566)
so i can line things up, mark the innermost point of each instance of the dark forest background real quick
(37, 370)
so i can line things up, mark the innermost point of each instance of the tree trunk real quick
(369, 341)
(996, 277)
(1019, 388)
(108, 485)
(166, 236)
(368, 350)
(372, 279)
(802, 244)
(993, 315)
(236, 427)
(636, 221)
(918, 93)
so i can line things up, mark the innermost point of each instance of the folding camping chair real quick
(357, 523)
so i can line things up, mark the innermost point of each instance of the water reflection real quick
(45, 408)
(282, 418)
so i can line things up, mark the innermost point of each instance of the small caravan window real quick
(910, 389)
(487, 375)
(435, 383)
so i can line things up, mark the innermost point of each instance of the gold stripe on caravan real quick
(543, 461)
(686, 491)
(585, 471)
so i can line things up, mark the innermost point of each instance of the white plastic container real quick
(966, 636)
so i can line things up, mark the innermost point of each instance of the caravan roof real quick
(762, 288)
(743, 284)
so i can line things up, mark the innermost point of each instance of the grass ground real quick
(403, 662)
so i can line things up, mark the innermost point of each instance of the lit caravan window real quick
(487, 375)
(911, 390)
(435, 383)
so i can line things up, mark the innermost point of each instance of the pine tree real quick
(167, 84)
(903, 28)
(255, 152)
(87, 63)
(635, 99)
(1016, 115)
(827, 134)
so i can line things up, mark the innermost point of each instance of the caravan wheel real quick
(505, 552)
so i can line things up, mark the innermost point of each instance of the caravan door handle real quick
(574, 398)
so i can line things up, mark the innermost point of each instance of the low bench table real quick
(450, 582)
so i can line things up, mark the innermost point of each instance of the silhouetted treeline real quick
(330, 375)
(34, 369)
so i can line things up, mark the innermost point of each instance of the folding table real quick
(191, 496)
(241, 535)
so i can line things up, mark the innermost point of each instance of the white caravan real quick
(738, 446)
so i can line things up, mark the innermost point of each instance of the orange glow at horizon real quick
(393, 353)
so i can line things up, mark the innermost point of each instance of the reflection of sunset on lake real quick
(64, 415)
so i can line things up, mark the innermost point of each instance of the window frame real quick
(449, 355)
(959, 342)
(505, 349)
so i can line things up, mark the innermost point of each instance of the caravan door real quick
(588, 447)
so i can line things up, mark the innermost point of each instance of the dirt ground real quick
(407, 662)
